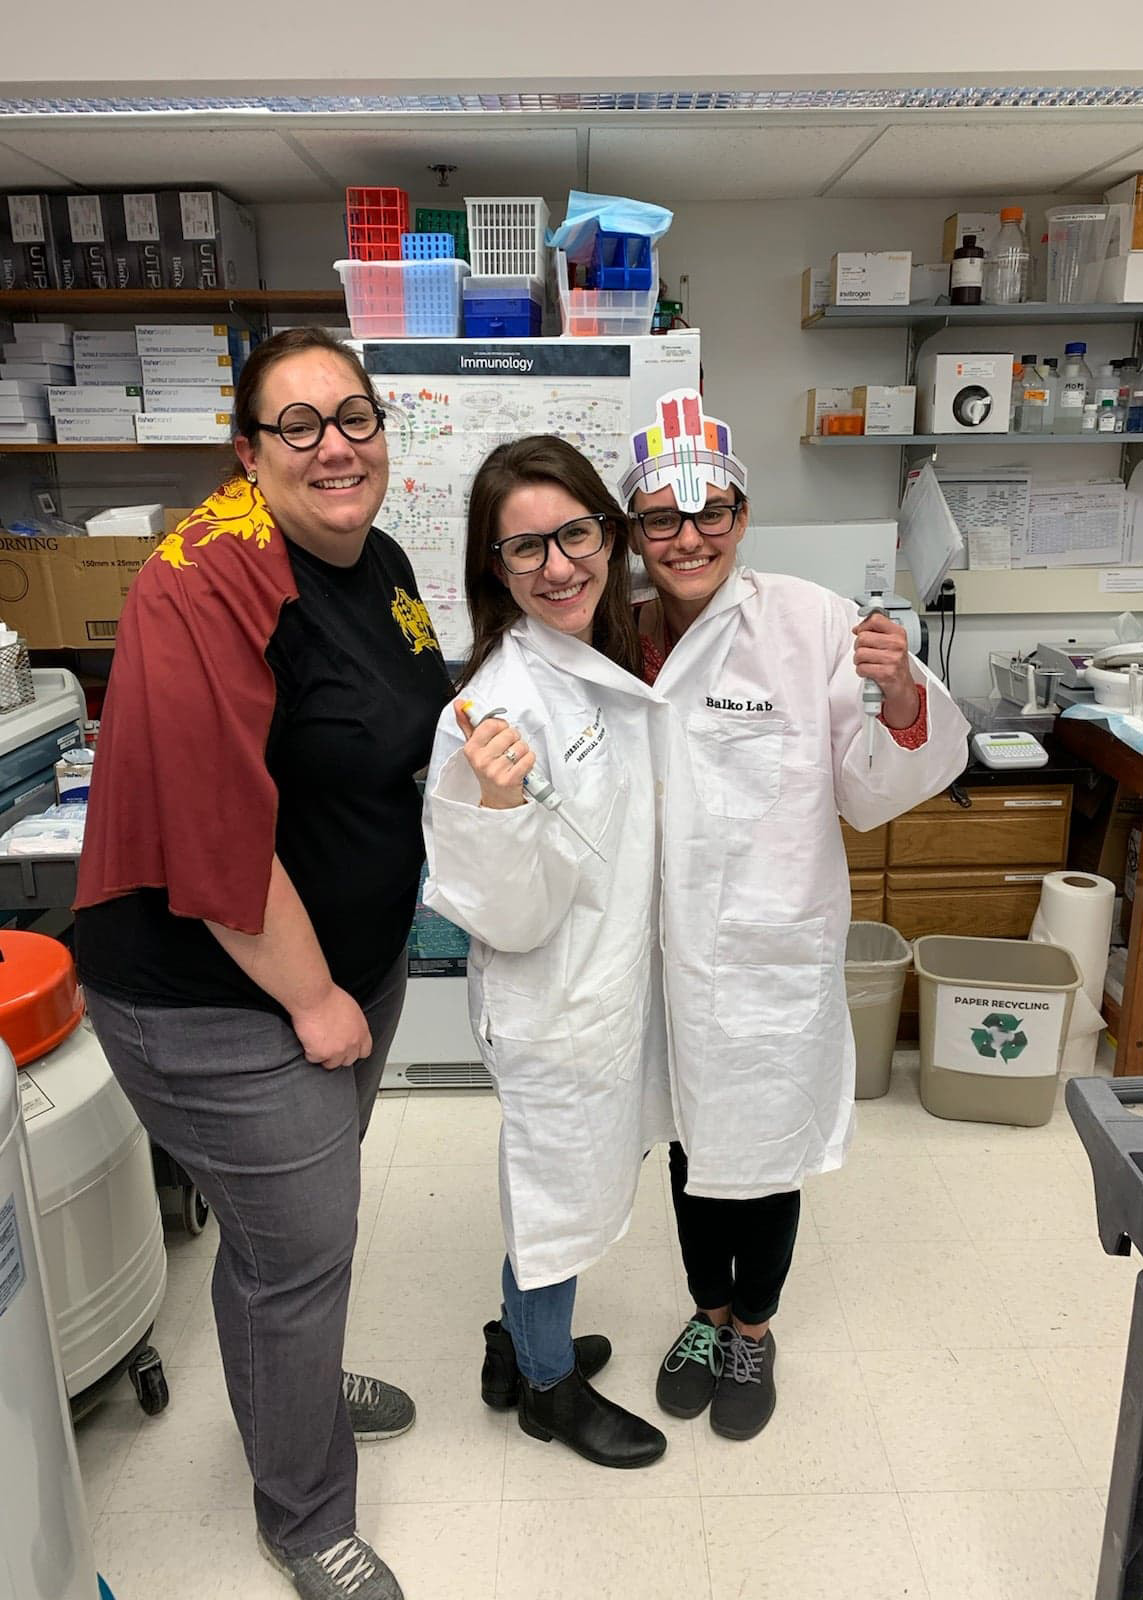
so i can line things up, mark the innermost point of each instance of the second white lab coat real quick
(770, 745)
(565, 981)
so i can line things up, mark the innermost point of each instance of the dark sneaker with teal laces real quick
(689, 1373)
(744, 1399)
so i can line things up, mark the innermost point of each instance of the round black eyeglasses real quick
(358, 418)
(528, 552)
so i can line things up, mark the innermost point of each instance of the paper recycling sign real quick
(1009, 1034)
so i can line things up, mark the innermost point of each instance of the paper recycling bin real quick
(876, 961)
(994, 1018)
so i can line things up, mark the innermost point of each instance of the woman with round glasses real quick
(563, 991)
(765, 676)
(245, 894)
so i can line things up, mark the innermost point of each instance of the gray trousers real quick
(273, 1143)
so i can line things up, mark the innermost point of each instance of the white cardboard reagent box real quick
(37, 432)
(104, 342)
(22, 387)
(1130, 193)
(1121, 281)
(815, 291)
(208, 370)
(819, 401)
(984, 224)
(870, 277)
(183, 427)
(38, 350)
(107, 427)
(128, 522)
(159, 397)
(108, 369)
(928, 282)
(36, 372)
(183, 339)
(52, 332)
(97, 399)
(886, 408)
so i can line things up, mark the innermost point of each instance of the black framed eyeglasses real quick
(666, 522)
(528, 552)
(302, 426)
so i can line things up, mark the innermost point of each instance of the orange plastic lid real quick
(40, 1002)
(1012, 214)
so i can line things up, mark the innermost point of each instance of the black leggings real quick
(737, 1252)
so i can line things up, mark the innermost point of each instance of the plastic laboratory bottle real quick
(1075, 389)
(1007, 267)
(1135, 412)
(1017, 399)
(967, 274)
(1050, 374)
(1089, 417)
(1106, 419)
(1034, 398)
(1106, 384)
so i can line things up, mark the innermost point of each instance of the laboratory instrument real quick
(1023, 681)
(1110, 674)
(1008, 750)
(538, 787)
(872, 697)
(1070, 658)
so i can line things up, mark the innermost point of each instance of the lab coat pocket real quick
(622, 1005)
(737, 765)
(767, 976)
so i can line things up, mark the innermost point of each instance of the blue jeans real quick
(539, 1321)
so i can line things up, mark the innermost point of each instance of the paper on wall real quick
(1076, 525)
(989, 548)
(985, 501)
(930, 538)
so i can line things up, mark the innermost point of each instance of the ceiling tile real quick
(729, 163)
(252, 165)
(994, 158)
(521, 160)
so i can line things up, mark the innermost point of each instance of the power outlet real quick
(945, 598)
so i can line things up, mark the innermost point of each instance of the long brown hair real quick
(542, 458)
(292, 342)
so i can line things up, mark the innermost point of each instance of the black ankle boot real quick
(590, 1424)
(500, 1378)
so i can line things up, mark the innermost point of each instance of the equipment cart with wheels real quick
(1108, 1115)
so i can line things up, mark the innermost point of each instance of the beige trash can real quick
(876, 961)
(994, 1017)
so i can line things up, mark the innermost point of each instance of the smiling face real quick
(563, 593)
(323, 499)
(690, 567)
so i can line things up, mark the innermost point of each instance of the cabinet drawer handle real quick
(1038, 805)
(1023, 877)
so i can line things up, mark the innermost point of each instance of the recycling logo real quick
(1000, 1035)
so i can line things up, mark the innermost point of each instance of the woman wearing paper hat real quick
(766, 674)
(564, 991)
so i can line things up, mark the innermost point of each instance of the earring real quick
(251, 476)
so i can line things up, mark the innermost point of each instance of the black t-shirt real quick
(359, 690)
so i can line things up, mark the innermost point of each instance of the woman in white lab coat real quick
(564, 989)
(766, 674)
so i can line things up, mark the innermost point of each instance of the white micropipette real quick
(538, 786)
(872, 697)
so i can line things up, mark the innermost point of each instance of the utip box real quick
(136, 244)
(205, 370)
(83, 240)
(870, 277)
(183, 427)
(208, 241)
(160, 397)
(28, 256)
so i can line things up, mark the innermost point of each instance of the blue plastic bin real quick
(620, 261)
(428, 247)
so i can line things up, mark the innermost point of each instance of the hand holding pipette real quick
(506, 769)
(872, 696)
(881, 657)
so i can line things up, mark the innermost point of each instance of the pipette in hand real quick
(872, 697)
(538, 786)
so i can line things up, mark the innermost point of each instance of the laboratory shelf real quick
(1014, 441)
(84, 302)
(1030, 313)
(47, 448)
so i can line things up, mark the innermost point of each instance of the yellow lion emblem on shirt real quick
(412, 617)
(237, 508)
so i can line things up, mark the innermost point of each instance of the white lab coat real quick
(770, 746)
(564, 973)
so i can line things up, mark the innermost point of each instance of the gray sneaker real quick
(377, 1410)
(349, 1567)
(744, 1399)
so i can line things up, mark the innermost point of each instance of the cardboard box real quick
(35, 432)
(206, 371)
(73, 774)
(13, 388)
(22, 408)
(183, 427)
(121, 370)
(74, 589)
(870, 277)
(208, 242)
(185, 339)
(964, 394)
(886, 408)
(94, 399)
(160, 397)
(815, 291)
(173, 515)
(28, 258)
(1130, 193)
(53, 332)
(83, 240)
(1121, 279)
(58, 355)
(984, 224)
(136, 247)
(40, 372)
(928, 282)
(100, 427)
(138, 522)
(89, 342)
(819, 401)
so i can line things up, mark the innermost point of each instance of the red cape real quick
(181, 799)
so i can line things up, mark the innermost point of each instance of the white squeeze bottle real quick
(1075, 389)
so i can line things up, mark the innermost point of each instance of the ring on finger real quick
(511, 755)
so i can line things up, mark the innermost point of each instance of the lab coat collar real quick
(570, 654)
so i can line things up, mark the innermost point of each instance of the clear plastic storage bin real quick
(1077, 244)
(625, 313)
(403, 299)
(877, 960)
(506, 234)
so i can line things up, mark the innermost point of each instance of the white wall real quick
(266, 46)
(744, 263)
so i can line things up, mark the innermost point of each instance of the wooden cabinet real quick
(867, 894)
(1002, 826)
(966, 900)
(865, 851)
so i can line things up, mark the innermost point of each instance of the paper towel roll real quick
(1076, 911)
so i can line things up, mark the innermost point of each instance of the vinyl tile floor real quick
(950, 1352)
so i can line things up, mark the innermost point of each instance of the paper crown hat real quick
(682, 450)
